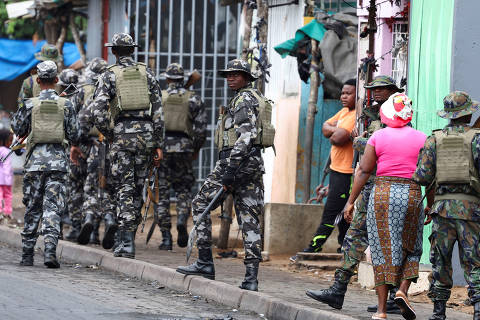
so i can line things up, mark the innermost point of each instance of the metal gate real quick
(199, 34)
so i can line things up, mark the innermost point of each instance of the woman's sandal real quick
(402, 302)
(379, 316)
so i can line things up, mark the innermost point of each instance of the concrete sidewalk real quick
(281, 296)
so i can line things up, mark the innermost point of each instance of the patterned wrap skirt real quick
(395, 229)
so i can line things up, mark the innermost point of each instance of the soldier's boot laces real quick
(166, 240)
(111, 228)
(182, 238)
(50, 256)
(334, 295)
(392, 307)
(476, 311)
(126, 248)
(202, 267)
(72, 235)
(251, 273)
(27, 257)
(439, 308)
(87, 228)
(94, 236)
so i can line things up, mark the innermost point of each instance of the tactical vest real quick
(176, 112)
(132, 89)
(455, 163)
(265, 129)
(88, 91)
(47, 122)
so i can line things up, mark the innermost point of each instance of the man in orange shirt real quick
(338, 130)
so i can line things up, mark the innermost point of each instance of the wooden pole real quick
(76, 38)
(262, 13)
(247, 32)
(310, 126)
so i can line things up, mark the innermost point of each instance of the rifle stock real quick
(194, 77)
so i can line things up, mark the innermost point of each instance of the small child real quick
(6, 174)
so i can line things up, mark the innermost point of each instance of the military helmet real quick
(383, 81)
(48, 52)
(47, 69)
(68, 76)
(121, 40)
(174, 71)
(237, 65)
(457, 104)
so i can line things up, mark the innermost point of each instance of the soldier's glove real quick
(228, 177)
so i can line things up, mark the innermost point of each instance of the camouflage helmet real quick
(383, 81)
(457, 104)
(97, 65)
(121, 40)
(237, 65)
(48, 52)
(174, 71)
(68, 76)
(47, 69)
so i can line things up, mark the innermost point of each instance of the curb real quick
(272, 308)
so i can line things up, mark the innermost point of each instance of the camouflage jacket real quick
(128, 133)
(45, 156)
(241, 114)
(425, 174)
(373, 124)
(175, 143)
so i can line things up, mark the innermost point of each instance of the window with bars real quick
(400, 54)
(199, 34)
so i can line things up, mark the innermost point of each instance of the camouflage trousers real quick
(445, 232)
(97, 202)
(356, 239)
(129, 171)
(175, 173)
(44, 194)
(247, 195)
(76, 180)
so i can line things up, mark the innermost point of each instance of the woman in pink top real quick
(6, 174)
(394, 218)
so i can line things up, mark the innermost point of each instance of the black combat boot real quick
(476, 310)
(202, 267)
(27, 257)
(182, 237)
(72, 235)
(50, 256)
(87, 228)
(334, 295)
(126, 248)
(166, 240)
(94, 236)
(392, 307)
(439, 308)
(250, 282)
(111, 228)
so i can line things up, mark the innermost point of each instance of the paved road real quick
(80, 292)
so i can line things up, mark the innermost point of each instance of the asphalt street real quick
(86, 292)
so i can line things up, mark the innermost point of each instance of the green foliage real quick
(19, 28)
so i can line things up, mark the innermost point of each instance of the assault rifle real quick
(150, 197)
(322, 190)
(70, 90)
(102, 174)
(16, 145)
(194, 77)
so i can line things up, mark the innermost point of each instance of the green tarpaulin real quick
(314, 30)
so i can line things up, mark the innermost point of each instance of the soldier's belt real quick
(225, 153)
(176, 134)
(121, 119)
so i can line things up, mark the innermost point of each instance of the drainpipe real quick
(312, 110)
(106, 17)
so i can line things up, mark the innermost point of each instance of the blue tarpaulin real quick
(18, 56)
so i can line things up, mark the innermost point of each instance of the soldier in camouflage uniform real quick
(183, 140)
(30, 87)
(356, 240)
(50, 121)
(239, 170)
(137, 134)
(454, 200)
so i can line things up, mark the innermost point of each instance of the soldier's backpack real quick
(455, 161)
(265, 129)
(131, 89)
(88, 91)
(176, 112)
(47, 122)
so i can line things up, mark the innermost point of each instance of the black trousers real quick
(338, 193)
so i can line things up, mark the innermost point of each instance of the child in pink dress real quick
(6, 174)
